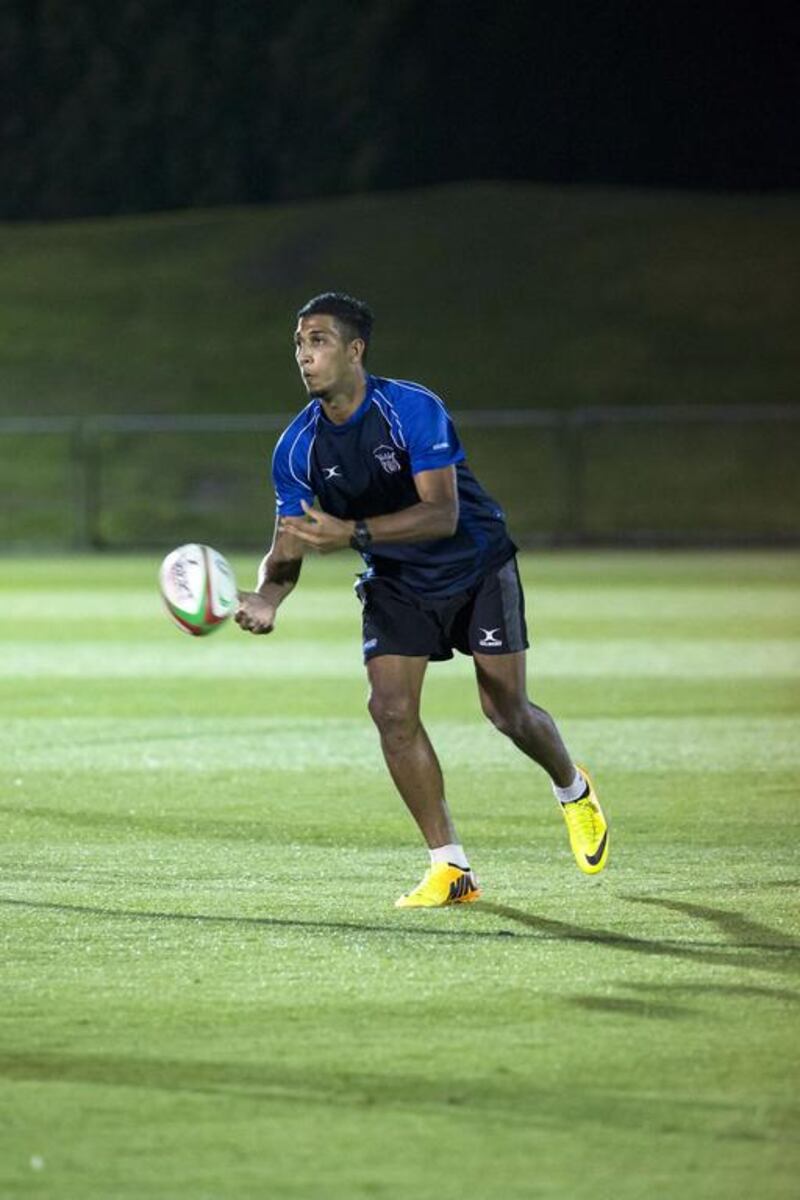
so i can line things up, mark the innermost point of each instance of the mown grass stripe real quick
(231, 655)
(197, 744)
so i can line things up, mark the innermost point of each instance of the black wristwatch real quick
(362, 538)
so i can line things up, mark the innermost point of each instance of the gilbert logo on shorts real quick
(387, 458)
(489, 638)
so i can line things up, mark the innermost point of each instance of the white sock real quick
(453, 854)
(574, 791)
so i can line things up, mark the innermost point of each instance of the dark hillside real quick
(496, 294)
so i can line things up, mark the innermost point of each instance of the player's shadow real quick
(738, 928)
(404, 929)
(748, 944)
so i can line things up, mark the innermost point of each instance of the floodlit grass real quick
(207, 992)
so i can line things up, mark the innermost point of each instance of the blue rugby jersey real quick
(365, 468)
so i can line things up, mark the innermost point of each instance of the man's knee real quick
(503, 715)
(512, 716)
(396, 716)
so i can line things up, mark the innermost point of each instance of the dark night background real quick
(150, 104)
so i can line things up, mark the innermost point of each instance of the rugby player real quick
(386, 467)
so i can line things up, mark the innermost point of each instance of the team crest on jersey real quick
(387, 458)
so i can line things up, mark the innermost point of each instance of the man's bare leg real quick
(395, 688)
(504, 700)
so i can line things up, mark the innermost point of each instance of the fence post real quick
(86, 456)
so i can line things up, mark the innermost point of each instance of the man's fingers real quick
(306, 534)
(243, 618)
(292, 523)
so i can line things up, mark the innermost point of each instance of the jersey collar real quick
(355, 417)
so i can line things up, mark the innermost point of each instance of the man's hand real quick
(254, 613)
(319, 529)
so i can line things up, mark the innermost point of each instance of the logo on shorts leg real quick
(489, 638)
(387, 458)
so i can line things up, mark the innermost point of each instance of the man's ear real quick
(357, 348)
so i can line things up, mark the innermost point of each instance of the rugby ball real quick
(198, 588)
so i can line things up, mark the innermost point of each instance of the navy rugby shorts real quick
(488, 619)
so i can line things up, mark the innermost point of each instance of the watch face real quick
(363, 536)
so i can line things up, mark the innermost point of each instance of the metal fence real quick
(590, 476)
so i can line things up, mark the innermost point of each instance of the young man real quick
(384, 462)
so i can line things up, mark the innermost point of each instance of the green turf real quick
(207, 992)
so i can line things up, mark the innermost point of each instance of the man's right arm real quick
(277, 575)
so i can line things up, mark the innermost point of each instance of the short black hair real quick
(353, 315)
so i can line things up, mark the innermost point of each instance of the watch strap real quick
(362, 537)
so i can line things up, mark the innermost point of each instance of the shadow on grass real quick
(265, 1080)
(514, 1095)
(625, 1007)
(667, 1001)
(772, 951)
(748, 991)
(401, 927)
(735, 926)
(749, 944)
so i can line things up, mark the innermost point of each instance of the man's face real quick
(327, 362)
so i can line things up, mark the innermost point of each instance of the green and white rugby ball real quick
(198, 588)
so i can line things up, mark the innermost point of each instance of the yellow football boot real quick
(588, 830)
(442, 884)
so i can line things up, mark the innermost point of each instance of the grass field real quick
(207, 992)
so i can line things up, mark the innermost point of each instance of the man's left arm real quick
(434, 517)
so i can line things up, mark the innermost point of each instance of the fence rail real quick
(682, 474)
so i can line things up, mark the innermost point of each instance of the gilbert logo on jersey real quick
(387, 458)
